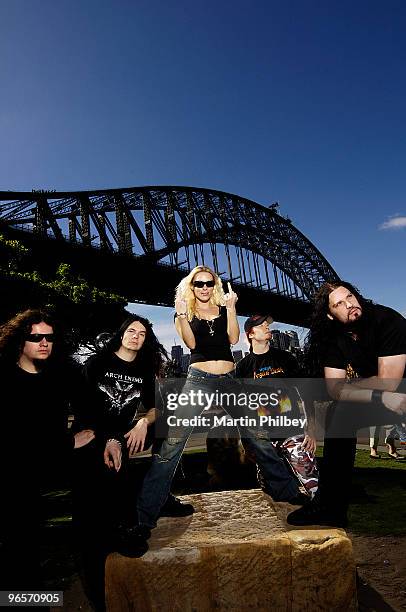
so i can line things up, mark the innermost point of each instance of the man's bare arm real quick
(390, 374)
(151, 416)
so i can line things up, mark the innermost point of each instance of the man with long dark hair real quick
(36, 442)
(360, 347)
(120, 400)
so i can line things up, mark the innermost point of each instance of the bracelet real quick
(376, 397)
(181, 314)
(113, 440)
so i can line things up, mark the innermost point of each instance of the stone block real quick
(236, 553)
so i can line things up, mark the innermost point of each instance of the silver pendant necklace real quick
(210, 323)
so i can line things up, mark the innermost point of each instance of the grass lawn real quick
(384, 481)
(378, 504)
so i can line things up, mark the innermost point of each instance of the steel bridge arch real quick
(161, 222)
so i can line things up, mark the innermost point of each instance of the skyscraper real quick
(177, 354)
(293, 339)
(237, 356)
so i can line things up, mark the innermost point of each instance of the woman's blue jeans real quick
(157, 483)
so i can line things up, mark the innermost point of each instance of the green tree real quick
(83, 308)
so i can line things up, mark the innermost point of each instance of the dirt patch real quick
(74, 599)
(381, 563)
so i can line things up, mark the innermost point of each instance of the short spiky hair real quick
(14, 332)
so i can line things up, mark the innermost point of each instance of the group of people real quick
(357, 346)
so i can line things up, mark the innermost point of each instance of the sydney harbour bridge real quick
(139, 242)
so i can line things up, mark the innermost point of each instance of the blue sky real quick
(298, 101)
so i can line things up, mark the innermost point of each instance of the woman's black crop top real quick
(211, 347)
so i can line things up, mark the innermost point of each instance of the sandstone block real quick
(235, 553)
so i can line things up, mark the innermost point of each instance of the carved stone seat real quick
(235, 553)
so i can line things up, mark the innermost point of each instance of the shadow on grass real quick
(378, 495)
(383, 511)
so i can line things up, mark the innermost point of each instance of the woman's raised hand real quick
(230, 298)
(180, 307)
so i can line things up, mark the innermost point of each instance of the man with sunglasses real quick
(36, 442)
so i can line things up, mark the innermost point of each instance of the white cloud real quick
(394, 222)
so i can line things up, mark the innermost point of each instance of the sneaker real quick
(313, 513)
(132, 541)
(174, 507)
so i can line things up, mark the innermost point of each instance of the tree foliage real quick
(85, 309)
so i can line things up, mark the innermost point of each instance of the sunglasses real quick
(201, 284)
(38, 337)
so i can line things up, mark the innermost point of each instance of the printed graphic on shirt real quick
(284, 404)
(350, 373)
(124, 377)
(268, 371)
(120, 390)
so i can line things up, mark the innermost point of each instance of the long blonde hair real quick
(184, 291)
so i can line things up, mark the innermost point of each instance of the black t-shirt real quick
(268, 368)
(115, 391)
(211, 338)
(380, 332)
(273, 363)
(36, 442)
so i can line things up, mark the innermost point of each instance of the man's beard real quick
(355, 323)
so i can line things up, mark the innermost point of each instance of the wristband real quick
(376, 397)
(113, 440)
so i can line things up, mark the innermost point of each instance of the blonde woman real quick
(206, 320)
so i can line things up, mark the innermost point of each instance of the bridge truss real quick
(181, 226)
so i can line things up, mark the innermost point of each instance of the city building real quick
(177, 353)
(293, 339)
(238, 355)
(185, 362)
(285, 341)
(280, 340)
